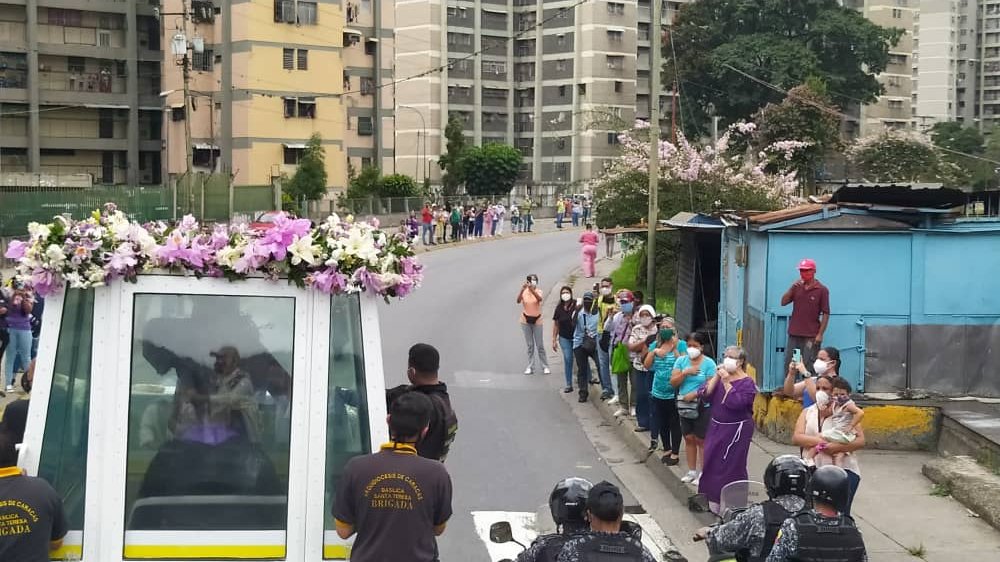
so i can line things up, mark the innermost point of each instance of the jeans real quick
(454, 231)
(666, 423)
(642, 385)
(566, 344)
(576, 219)
(583, 358)
(528, 221)
(20, 347)
(426, 233)
(855, 482)
(623, 384)
(536, 346)
(604, 370)
(559, 219)
(493, 228)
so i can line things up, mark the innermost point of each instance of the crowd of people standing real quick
(436, 224)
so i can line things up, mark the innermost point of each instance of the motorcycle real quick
(735, 498)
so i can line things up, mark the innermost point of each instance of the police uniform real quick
(593, 546)
(545, 548)
(811, 537)
(752, 533)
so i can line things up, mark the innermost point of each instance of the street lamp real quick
(423, 128)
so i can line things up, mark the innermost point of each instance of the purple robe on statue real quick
(727, 444)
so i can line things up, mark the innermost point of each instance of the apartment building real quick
(555, 78)
(79, 85)
(268, 74)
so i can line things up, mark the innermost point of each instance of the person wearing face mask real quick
(643, 334)
(607, 305)
(810, 302)
(588, 242)
(666, 424)
(585, 343)
(530, 298)
(563, 328)
(727, 446)
(839, 428)
(819, 451)
(827, 363)
(619, 326)
(691, 371)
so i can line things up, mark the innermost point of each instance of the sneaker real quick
(640, 429)
(606, 395)
(613, 401)
(546, 371)
(696, 481)
(620, 412)
(632, 412)
(670, 461)
(528, 370)
(568, 389)
(653, 445)
(10, 388)
(690, 476)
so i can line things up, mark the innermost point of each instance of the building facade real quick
(556, 79)
(79, 85)
(270, 75)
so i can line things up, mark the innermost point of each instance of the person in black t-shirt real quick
(563, 328)
(32, 521)
(395, 501)
(424, 361)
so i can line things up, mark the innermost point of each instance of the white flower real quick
(227, 257)
(360, 245)
(38, 231)
(303, 250)
(75, 280)
(55, 255)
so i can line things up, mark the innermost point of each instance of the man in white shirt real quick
(501, 212)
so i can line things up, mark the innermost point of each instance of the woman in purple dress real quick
(727, 446)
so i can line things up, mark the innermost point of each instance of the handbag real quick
(589, 344)
(605, 341)
(531, 319)
(689, 410)
(620, 362)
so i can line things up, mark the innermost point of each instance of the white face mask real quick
(822, 398)
(534, 282)
(605, 291)
(645, 320)
(565, 297)
(730, 364)
(820, 366)
(694, 352)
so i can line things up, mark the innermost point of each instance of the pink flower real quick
(44, 282)
(174, 249)
(122, 259)
(16, 250)
(328, 281)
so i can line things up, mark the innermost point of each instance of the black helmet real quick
(786, 475)
(831, 485)
(568, 502)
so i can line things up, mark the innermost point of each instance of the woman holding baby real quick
(830, 431)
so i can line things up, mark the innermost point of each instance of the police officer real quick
(823, 533)
(606, 541)
(751, 533)
(568, 504)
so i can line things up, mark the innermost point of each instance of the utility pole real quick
(654, 150)
(181, 48)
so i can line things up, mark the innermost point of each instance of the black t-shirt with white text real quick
(393, 499)
(31, 516)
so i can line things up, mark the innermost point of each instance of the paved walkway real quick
(900, 517)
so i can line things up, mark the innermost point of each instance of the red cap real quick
(807, 264)
(626, 296)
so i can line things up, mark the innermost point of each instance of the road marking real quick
(523, 527)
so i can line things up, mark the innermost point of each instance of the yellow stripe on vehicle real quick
(65, 550)
(336, 551)
(178, 551)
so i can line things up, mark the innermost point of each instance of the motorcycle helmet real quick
(830, 485)
(786, 475)
(568, 502)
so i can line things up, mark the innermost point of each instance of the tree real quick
(309, 181)
(491, 169)
(779, 42)
(896, 156)
(451, 161)
(398, 185)
(367, 184)
(963, 147)
(806, 114)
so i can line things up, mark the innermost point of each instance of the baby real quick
(839, 427)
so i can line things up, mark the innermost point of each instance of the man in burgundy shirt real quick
(810, 302)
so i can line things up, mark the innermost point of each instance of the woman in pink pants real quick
(589, 241)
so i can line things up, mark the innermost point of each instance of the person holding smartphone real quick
(530, 299)
(810, 302)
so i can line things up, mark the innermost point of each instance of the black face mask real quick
(588, 304)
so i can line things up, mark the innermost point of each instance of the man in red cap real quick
(810, 302)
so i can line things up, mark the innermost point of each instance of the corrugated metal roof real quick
(782, 215)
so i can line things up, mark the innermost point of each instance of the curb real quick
(638, 444)
(970, 484)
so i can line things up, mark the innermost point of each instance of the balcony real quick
(13, 32)
(74, 37)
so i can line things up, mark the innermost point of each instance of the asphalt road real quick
(517, 435)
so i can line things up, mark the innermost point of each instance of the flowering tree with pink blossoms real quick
(726, 174)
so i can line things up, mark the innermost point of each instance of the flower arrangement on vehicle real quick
(334, 256)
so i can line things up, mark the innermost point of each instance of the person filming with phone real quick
(810, 302)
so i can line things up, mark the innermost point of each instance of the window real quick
(616, 9)
(561, 65)
(366, 162)
(348, 434)
(210, 388)
(203, 61)
(494, 68)
(561, 143)
(613, 138)
(561, 39)
(290, 105)
(371, 46)
(204, 156)
(307, 108)
(897, 13)
(63, 458)
(895, 104)
(615, 36)
(76, 64)
(73, 18)
(365, 126)
(562, 91)
(583, 89)
(496, 93)
(367, 85)
(307, 13)
(288, 59)
(292, 154)
(177, 113)
(303, 59)
(616, 62)
(619, 86)
(284, 11)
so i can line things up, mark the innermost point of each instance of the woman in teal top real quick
(689, 374)
(665, 424)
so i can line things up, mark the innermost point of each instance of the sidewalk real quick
(895, 509)
(540, 226)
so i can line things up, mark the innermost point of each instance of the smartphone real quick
(797, 355)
